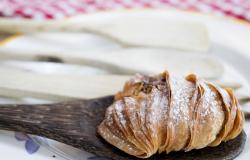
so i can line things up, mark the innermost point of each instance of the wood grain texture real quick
(75, 123)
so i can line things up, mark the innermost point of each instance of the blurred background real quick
(58, 50)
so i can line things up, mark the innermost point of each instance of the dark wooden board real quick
(75, 123)
(225, 151)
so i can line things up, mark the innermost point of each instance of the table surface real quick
(58, 9)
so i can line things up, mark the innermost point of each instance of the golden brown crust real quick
(164, 114)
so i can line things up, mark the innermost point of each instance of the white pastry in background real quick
(155, 32)
(131, 61)
(148, 31)
(149, 61)
(127, 31)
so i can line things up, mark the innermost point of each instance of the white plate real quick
(230, 41)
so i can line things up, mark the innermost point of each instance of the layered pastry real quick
(161, 113)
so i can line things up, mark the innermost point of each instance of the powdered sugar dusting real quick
(164, 112)
(181, 95)
(119, 107)
(210, 105)
(157, 110)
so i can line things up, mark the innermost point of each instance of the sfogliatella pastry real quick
(164, 114)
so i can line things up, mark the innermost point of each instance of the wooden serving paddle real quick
(75, 123)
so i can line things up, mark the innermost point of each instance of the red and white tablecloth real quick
(58, 9)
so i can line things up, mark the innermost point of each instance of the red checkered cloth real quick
(58, 9)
